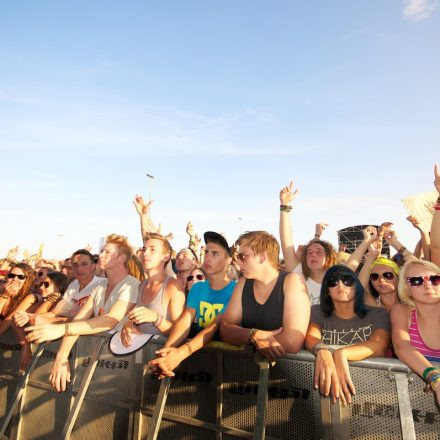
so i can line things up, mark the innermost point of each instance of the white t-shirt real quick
(74, 298)
(126, 290)
(313, 288)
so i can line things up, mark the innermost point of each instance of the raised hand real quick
(190, 229)
(370, 233)
(320, 228)
(12, 253)
(392, 239)
(375, 248)
(437, 178)
(286, 194)
(141, 206)
(414, 221)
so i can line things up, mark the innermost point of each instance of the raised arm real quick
(370, 235)
(286, 235)
(424, 239)
(143, 209)
(435, 226)
(393, 240)
(374, 250)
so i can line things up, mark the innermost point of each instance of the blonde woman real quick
(416, 322)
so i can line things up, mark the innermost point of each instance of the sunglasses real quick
(418, 281)
(243, 257)
(16, 275)
(347, 280)
(200, 277)
(40, 274)
(386, 275)
(46, 284)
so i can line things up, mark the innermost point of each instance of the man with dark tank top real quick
(205, 304)
(161, 299)
(268, 308)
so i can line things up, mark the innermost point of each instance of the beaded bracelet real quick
(426, 371)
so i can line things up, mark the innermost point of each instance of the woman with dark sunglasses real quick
(342, 328)
(194, 277)
(19, 282)
(416, 322)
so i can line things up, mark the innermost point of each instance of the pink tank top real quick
(417, 341)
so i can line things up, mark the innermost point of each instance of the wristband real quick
(285, 208)
(67, 331)
(401, 250)
(426, 371)
(321, 346)
(317, 236)
(189, 348)
(252, 333)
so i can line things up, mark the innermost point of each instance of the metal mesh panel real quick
(44, 414)
(178, 431)
(9, 353)
(101, 421)
(7, 390)
(240, 379)
(374, 411)
(115, 378)
(426, 413)
(193, 389)
(290, 410)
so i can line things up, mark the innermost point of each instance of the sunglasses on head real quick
(387, 275)
(16, 275)
(200, 277)
(347, 280)
(40, 274)
(418, 281)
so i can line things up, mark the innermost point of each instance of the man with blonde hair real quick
(111, 299)
(268, 308)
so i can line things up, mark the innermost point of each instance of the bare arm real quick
(370, 234)
(296, 313)
(28, 300)
(435, 226)
(374, 251)
(286, 235)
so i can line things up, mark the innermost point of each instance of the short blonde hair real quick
(167, 249)
(403, 288)
(262, 242)
(123, 245)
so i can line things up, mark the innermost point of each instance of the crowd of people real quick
(341, 307)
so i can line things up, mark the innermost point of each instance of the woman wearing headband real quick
(342, 328)
(416, 322)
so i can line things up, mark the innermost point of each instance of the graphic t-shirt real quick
(336, 331)
(207, 302)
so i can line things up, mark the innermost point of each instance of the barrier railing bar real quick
(137, 429)
(405, 412)
(84, 386)
(340, 415)
(326, 418)
(21, 388)
(219, 392)
(206, 425)
(158, 408)
(263, 380)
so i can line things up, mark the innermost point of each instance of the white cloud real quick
(417, 10)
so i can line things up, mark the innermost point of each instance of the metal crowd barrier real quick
(215, 394)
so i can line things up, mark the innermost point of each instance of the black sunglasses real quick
(418, 281)
(387, 275)
(16, 275)
(347, 280)
(200, 277)
(46, 284)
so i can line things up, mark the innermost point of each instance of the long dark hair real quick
(25, 289)
(60, 280)
(326, 301)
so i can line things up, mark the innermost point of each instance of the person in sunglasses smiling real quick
(342, 328)
(416, 322)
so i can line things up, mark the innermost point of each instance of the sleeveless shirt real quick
(156, 305)
(417, 342)
(267, 316)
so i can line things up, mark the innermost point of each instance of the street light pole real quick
(150, 180)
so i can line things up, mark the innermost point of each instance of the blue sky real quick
(224, 102)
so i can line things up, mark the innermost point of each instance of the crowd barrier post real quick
(263, 380)
(20, 391)
(406, 418)
(84, 386)
(159, 408)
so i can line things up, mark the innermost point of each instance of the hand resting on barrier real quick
(60, 374)
(128, 329)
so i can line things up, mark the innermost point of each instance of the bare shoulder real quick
(400, 312)
(174, 284)
(294, 280)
